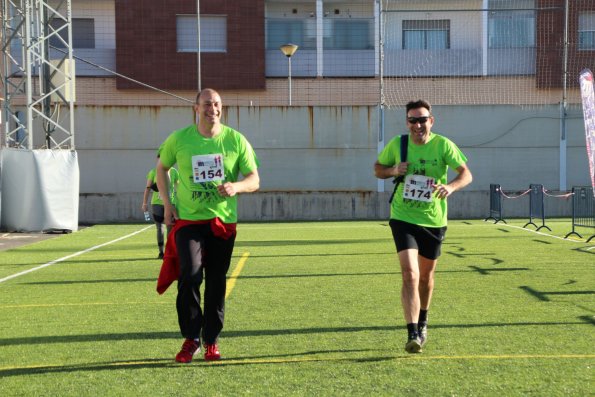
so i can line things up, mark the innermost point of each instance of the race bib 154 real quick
(208, 168)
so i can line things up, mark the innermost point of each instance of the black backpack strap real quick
(397, 181)
(404, 143)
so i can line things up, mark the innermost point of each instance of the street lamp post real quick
(288, 50)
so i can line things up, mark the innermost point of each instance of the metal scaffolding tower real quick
(39, 174)
(37, 72)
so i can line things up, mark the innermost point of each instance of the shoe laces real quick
(189, 345)
(212, 349)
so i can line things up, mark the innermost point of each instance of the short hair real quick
(420, 103)
(204, 90)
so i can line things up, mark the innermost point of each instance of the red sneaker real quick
(189, 348)
(212, 352)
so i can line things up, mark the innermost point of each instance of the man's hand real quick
(442, 191)
(383, 172)
(169, 215)
(463, 178)
(401, 169)
(227, 189)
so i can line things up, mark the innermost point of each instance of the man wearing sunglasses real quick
(419, 210)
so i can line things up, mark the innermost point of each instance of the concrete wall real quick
(316, 162)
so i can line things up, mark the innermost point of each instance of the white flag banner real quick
(588, 96)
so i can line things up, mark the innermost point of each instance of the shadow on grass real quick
(111, 366)
(273, 243)
(148, 363)
(42, 340)
(544, 295)
(317, 275)
(68, 250)
(485, 272)
(117, 280)
(585, 250)
(542, 241)
(154, 279)
(85, 261)
(264, 276)
(158, 261)
(488, 255)
(320, 255)
(473, 269)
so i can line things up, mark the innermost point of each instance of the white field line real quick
(72, 255)
(540, 233)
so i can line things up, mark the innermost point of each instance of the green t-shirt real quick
(431, 160)
(203, 164)
(173, 181)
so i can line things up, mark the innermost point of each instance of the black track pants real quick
(202, 255)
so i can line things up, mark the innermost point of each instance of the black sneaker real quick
(423, 334)
(160, 256)
(413, 345)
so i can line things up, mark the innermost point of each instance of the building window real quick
(349, 34)
(283, 31)
(426, 34)
(586, 31)
(511, 29)
(213, 33)
(338, 34)
(83, 33)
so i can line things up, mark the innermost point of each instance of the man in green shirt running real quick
(210, 157)
(419, 211)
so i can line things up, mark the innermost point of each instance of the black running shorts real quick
(158, 212)
(427, 240)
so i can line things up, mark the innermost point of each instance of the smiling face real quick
(209, 108)
(419, 123)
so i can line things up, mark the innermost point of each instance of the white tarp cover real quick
(39, 190)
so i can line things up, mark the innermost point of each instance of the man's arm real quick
(462, 179)
(250, 183)
(146, 195)
(384, 172)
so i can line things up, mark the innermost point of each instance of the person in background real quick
(419, 212)
(210, 157)
(157, 209)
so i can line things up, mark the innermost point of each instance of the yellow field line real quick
(231, 281)
(505, 356)
(417, 357)
(272, 360)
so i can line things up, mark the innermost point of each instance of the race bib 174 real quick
(208, 168)
(418, 187)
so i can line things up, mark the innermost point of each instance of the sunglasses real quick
(415, 120)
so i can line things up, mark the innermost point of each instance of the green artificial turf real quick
(314, 310)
